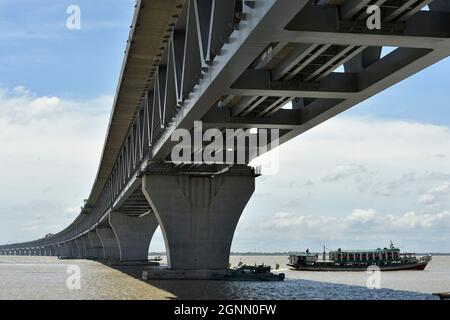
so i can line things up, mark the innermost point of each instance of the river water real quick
(50, 278)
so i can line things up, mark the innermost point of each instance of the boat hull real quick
(271, 277)
(420, 265)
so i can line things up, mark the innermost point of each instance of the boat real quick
(253, 273)
(386, 259)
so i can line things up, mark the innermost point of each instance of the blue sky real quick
(378, 172)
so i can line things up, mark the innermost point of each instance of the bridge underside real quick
(268, 64)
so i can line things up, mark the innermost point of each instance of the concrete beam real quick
(314, 24)
(241, 51)
(282, 119)
(81, 249)
(259, 83)
(87, 246)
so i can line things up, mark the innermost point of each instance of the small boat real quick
(443, 295)
(155, 259)
(387, 259)
(253, 273)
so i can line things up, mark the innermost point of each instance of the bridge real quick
(285, 65)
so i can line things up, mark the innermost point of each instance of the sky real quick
(376, 173)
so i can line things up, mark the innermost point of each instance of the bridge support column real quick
(86, 245)
(80, 247)
(198, 212)
(111, 251)
(68, 250)
(74, 249)
(64, 250)
(59, 250)
(50, 251)
(133, 235)
(96, 249)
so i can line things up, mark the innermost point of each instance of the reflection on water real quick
(46, 278)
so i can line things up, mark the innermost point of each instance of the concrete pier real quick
(96, 250)
(81, 251)
(73, 249)
(198, 212)
(111, 251)
(87, 246)
(133, 235)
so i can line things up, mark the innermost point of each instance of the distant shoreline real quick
(289, 253)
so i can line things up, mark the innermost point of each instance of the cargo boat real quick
(387, 259)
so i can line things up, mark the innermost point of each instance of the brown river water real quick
(50, 278)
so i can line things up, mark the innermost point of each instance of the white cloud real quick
(389, 166)
(362, 216)
(73, 211)
(443, 188)
(30, 228)
(51, 147)
(359, 229)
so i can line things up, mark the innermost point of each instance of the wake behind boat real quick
(387, 259)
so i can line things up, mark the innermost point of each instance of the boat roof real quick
(366, 250)
(310, 254)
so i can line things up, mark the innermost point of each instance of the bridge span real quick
(229, 64)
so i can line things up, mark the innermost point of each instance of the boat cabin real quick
(391, 254)
(303, 258)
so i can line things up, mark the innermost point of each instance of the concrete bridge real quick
(229, 64)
